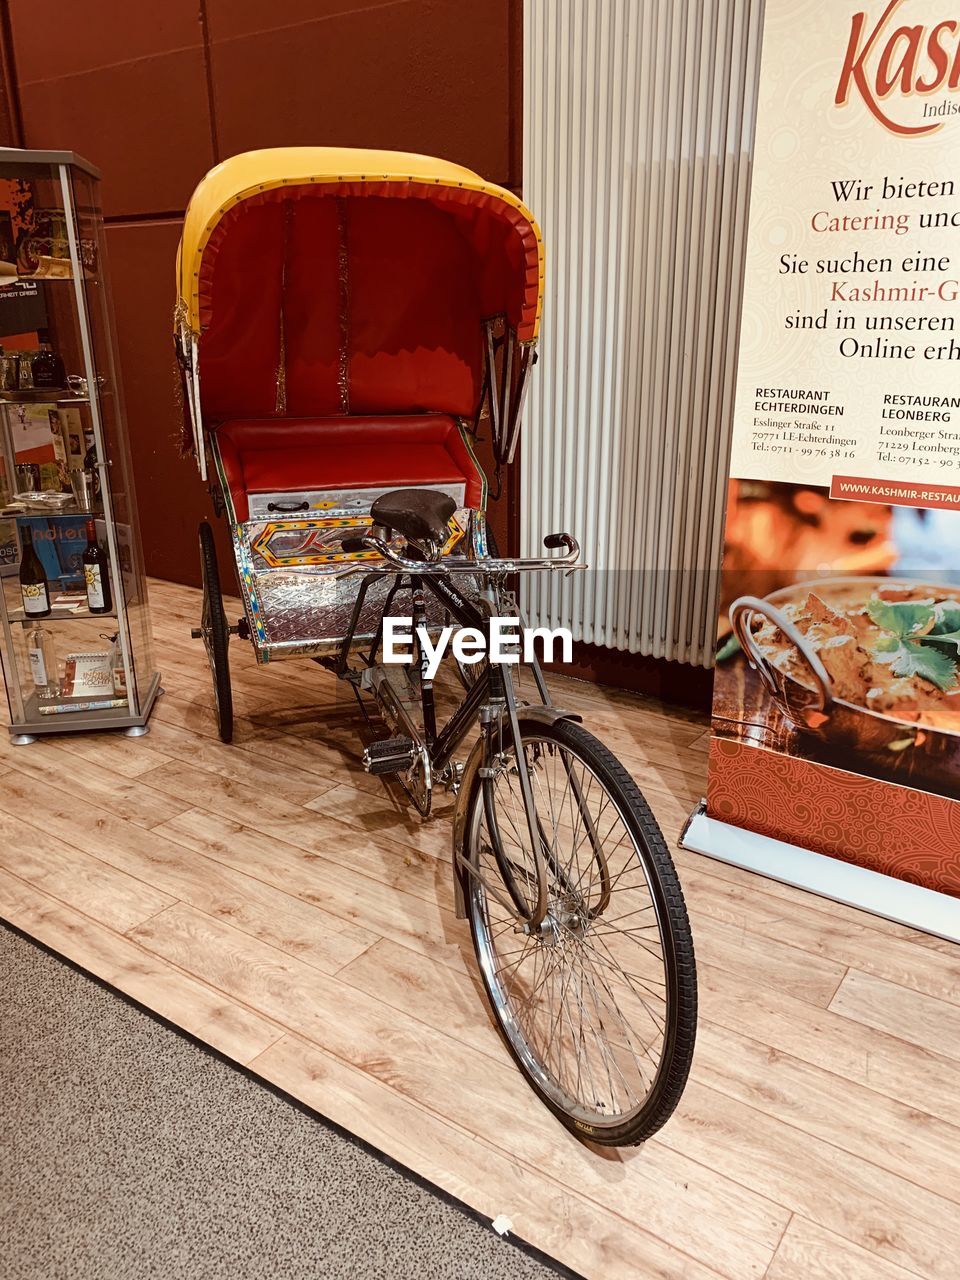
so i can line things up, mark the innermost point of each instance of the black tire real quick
(575, 946)
(215, 632)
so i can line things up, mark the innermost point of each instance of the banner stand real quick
(834, 759)
(845, 882)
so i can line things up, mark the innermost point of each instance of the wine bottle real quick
(43, 661)
(91, 468)
(48, 370)
(34, 591)
(95, 573)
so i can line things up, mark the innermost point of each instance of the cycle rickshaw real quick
(348, 323)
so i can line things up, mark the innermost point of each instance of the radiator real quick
(638, 124)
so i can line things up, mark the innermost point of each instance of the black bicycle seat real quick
(419, 515)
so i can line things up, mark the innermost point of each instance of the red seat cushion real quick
(296, 455)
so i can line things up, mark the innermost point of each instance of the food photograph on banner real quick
(837, 687)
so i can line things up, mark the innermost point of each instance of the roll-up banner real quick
(835, 758)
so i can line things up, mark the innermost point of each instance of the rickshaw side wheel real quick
(215, 633)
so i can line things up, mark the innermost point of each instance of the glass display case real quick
(75, 642)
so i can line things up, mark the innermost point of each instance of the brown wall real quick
(155, 94)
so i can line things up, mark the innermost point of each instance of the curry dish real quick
(893, 649)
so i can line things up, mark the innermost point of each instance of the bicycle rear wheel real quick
(597, 1004)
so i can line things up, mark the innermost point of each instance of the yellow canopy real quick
(253, 172)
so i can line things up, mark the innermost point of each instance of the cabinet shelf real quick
(18, 513)
(79, 721)
(11, 282)
(59, 613)
(44, 706)
(36, 395)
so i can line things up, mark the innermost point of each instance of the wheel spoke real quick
(583, 996)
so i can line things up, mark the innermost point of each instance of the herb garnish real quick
(922, 638)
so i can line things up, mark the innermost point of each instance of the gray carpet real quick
(128, 1152)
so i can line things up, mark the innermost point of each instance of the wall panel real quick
(416, 75)
(123, 85)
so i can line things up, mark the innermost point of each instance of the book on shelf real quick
(88, 675)
(81, 704)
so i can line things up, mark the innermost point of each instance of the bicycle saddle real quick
(419, 515)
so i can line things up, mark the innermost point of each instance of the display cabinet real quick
(75, 641)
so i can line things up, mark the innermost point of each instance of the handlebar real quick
(554, 540)
(453, 564)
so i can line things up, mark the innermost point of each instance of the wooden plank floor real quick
(271, 899)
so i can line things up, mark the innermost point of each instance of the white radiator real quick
(638, 124)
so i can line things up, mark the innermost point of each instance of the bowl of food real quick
(870, 663)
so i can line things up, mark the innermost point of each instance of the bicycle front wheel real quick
(598, 1002)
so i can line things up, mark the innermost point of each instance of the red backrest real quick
(368, 305)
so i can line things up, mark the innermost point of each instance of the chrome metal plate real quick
(297, 601)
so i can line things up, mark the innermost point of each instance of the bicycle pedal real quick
(389, 755)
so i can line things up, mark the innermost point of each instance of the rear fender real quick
(529, 717)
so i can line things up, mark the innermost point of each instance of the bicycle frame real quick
(491, 700)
